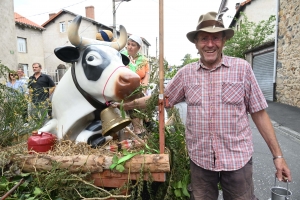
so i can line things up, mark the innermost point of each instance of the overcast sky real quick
(140, 17)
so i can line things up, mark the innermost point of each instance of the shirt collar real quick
(224, 62)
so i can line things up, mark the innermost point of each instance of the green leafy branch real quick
(118, 163)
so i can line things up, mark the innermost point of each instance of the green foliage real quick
(180, 187)
(249, 36)
(13, 113)
(178, 178)
(56, 184)
(118, 163)
(186, 60)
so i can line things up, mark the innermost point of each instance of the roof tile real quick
(245, 2)
(22, 20)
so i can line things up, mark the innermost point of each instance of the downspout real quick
(275, 50)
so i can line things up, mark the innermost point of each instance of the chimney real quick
(237, 6)
(89, 12)
(51, 15)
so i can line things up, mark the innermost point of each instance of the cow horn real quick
(81, 41)
(121, 42)
(73, 31)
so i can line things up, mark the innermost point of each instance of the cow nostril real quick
(124, 79)
(129, 79)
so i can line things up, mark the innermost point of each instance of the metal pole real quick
(161, 79)
(156, 48)
(114, 19)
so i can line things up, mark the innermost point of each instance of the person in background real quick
(13, 82)
(140, 65)
(220, 92)
(41, 86)
(24, 79)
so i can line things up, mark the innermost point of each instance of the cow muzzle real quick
(126, 84)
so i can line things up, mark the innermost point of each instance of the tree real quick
(249, 36)
(187, 59)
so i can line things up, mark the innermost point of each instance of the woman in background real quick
(13, 82)
(140, 65)
(138, 62)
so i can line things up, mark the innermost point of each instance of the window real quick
(22, 45)
(69, 22)
(237, 27)
(62, 27)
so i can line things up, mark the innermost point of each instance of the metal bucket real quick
(280, 193)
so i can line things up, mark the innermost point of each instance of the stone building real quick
(29, 44)
(288, 57)
(8, 50)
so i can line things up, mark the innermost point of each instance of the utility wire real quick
(53, 10)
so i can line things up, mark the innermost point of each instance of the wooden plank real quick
(111, 179)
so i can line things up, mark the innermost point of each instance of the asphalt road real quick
(264, 170)
(263, 167)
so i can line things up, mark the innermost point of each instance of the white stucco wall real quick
(257, 11)
(35, 50)
(8, 50)
(53, 38)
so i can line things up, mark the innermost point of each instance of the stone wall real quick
(288, 57)
(8, 50)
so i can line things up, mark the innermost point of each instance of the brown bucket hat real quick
(208, 23)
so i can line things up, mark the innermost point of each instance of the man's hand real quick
(115, 105)
(283, 173)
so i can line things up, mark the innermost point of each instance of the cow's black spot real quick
(93, 72)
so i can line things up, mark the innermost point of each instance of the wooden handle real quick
(135, 136)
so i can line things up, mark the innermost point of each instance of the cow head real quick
(100, 67)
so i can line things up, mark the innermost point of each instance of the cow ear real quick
(67, 54)
(125, 59)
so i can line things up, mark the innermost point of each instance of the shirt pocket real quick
(193, 95)
(233, 93)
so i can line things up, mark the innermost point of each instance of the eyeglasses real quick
(13, 74)
(205, 40)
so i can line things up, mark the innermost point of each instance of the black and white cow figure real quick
(98, 76)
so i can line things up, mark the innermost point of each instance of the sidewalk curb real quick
(286, 130)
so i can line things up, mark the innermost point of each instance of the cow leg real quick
(91, 132)
(50, 127)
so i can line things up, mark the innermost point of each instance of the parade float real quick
(87, 151)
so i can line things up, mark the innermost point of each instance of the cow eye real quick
(91, 58)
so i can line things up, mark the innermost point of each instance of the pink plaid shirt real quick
(218, 133)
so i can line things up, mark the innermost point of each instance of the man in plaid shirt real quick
(220, 92)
